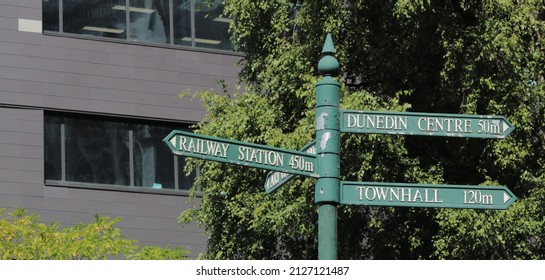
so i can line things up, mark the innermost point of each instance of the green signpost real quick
(328, 149)
(321, 159)
(428, 124)
(426, 195)
(277, 179)
(242, 153)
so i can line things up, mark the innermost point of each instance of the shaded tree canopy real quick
(461, 57)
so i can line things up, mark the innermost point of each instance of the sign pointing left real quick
(241, 153)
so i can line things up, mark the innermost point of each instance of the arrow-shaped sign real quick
(241, 153)
(276, 179)
(426, 195)
(428, 124)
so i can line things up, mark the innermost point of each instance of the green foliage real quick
(513, 234)
(23, 237)
(472, 56)
(160, 253)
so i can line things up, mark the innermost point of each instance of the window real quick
(84, 150)
(192, 23)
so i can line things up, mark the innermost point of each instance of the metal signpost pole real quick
(327, 188)
(325, 164)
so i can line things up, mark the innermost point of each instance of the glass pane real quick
(52, 149)
(103, 18)
(182, 22)
(149, 21)
(153, 161)
(50, 10)
(185, 181)
(211, 28)
(97, 151)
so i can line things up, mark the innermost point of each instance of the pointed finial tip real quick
(328, 64)
(328, 48)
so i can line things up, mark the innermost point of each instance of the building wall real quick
(40, 73)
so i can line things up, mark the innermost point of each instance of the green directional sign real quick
(323, 161)
(426, 195)
(276, 179)
(428, 124)
(241, 153)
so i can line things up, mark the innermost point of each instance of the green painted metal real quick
(277, 179)
(327, 188)
(242, 153)
(325, 163)
(327, 232)
(329, 48)
(427, 124)
(426, 195)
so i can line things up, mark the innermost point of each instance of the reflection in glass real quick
(50, 15)
(149, 21)
(97, 152)
(103, 18)
(52, 148)
(153, 164)
(211, 28)
(185, 182)
(182, 22)
(193, 23)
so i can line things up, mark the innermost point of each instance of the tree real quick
(23, 237)
(471, 57)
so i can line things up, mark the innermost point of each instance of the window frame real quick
(132, 187)
(171, 44)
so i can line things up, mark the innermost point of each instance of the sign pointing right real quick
(426, 195)
(427, 124)
(505, 198)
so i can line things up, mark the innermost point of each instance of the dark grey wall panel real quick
(20, 189)
(16, 10)
(54, 73)
(108, 73)
(23, 3)
(21, 147)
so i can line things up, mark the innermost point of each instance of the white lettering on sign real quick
(477, 197)
(311, 150)
(376, 122)
(260, 156)
(491, 127)
(204, 147)
(397, 194)
(430, 124)
(274, 179)
(425, 124)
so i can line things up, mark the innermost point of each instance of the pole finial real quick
(328, 47)
(328, 65)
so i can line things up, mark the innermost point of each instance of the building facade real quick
(88, 89)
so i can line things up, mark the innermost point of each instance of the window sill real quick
(131, 189)
(146, 44)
